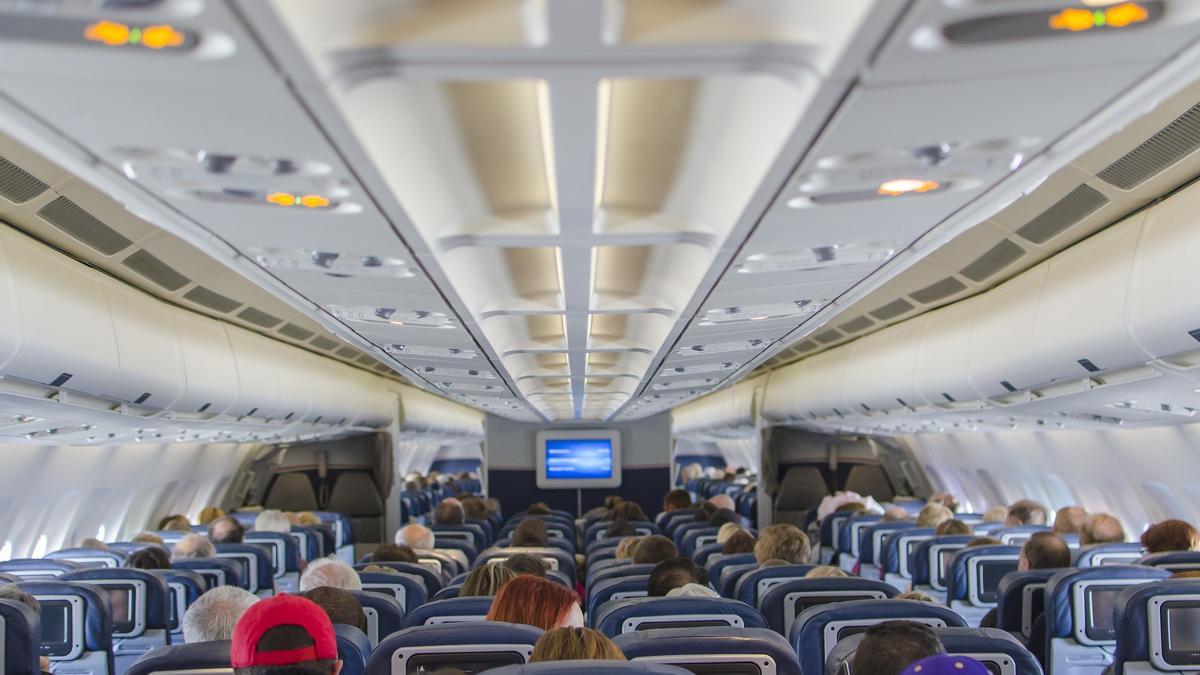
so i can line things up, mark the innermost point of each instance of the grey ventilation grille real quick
(1172, 143)
(856, 325)
(892, 310)
(258, 318)
(67, 216)
(156, 271)
(295, 332)
(212, 300)
(828, 336)
(324, 343)
(346, 352)
(804, 346)
(1079, 203)
(997, 258)
(18, 185)
(365, 360)
(938, 291)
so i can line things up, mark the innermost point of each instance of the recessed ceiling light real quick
(418, 318)
(902, 186)
(774, 310)
(818, 257)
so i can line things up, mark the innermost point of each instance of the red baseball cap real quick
(282, 610)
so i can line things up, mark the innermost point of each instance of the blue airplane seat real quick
(141, 609)
(183, 588)
(468, 549)
(184, 658)
(998, 651)
(695, 538)
(829, 534)
(597, 530)
(38, 568)
(848, 539)
(216, 571)
(596, 566)
(1173, 561)
(555, 526)
(90, 557)
(451, 591)
(594, 548)
(872, 546)
(384, 613)
(712, 649)
(618, 588)
(572, 667)
(701, 555)
(353, 649)
(753, 585)
(973, 579)
(682, 529)
(555, 558)
(726, 585)
(553, 542)
(311, 542)
(255, 561)
(6, 578)
(22, 634)
(471, 533)
(782, 603)
(1150, 617)
(408, 589)
(454, 610)
(717, 566)
(606, 553)
(625, 616)
(284, 551)
(76, 626)
(930, 561)
(432, 580)
(1108, 554)
(618, 571)
(1021, 601)
(472, 647)
(895, 559)
(815, 631)
(343, 531)
(1019, 534)
(1080, 610)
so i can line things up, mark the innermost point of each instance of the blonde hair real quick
(574, 644)
(486, 580)
(728, 530)
(626, 546)
(308, 518)
(917, 596)
(825, 571)
(996, 514)
(210, 513)
(782, 541)
(933, 515)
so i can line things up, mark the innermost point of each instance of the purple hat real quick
(946, 664)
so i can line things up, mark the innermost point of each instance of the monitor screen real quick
(56, 628)
(945, 558)
(1100, 601)
(121, 598)
(570, 458)
(243, 566)
(988, 574)
(174, 593)
(748, 667)
(1181, 632)
(682, 623)
(468, 664)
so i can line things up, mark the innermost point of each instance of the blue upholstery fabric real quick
(451, 591)
(1011, 597)
(956, 575)
(87, 556)
(23, 566)
(388, 611)
(618, 571)
(415, 593)
(97, 611)
(232, 569)
(847, 541)
(683, 529)
(479, 634)
(194, 656)
(468, 549)
(342, 525)
(597, 566)
(433, 581)
(605, 590)
(716, 567)
(571, 667)
(889, 559)
(552, 542)
(566, 561)
(478, 538)
(353, 649)
(1176, 561)
(700, 555)
(978, 642)
(1019, 533)
(1059, 603)
(692, 645)
(774, 606)
(612, 616)
(313, 538)
(291, 551)
(472, 606)
(597, 530)
(746, 588)
(158, 608)
(918, 564)
(1133, 623)
(726, 584)
(867, 552)
(1086, 556)
(22, 634)
(688, 544)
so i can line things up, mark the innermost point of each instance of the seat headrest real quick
(432, 580)
(565, 561)
(1009, 604)
(808, 633)
(751, 585)
(22, 635)
(778, 602)
(453, 610)
(40, 567)
(570, 667)
(958, 572)
(892, 555)
(158, 608)
(981, 643)
(687, 544)
(918, 564)
(871, 546)
(230, 569)
(850, 527)
(6, 578)
(353, 648)
(291, 551)
(617, 571)
(262, 570)
(1133, 617)
(701, 645)
(90, 556)
(1175, 561)
(1094, 556)
(617, 588)
(1060, 592)
(184, 657)
(623, 616)
(412, 587)
(97, 610)
(1018, 534)
(468, 638)
(715, 567)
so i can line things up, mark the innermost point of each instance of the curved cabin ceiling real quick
(608, 206)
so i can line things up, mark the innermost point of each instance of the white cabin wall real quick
(1139, 475)
(67, 493)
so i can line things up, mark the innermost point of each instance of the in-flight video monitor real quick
(579, 459)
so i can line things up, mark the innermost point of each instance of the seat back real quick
(1173, 561)
(871, 546)
(931, 559)
(443, 545)
(31, 569)
(407, 589)
(1080, 614)
(472, 647)
(973, 579)
(216, 571)
(555, 558)
(20, 636)
(618, 571)
(816, 631)
(587, 666)
(595, 567)
(702, 553)
(284, 552)
(90, 557)
(312, 541)
(781, 604)
(1157, 627)
(76, 626)
(343, 527)
(452, 610)
(624, 616)
(183, 588)
(432, 580)
(1021, 601)
(753, 585)
(564, 545)
(618, 588)
(141, 610)
(353, 648)
(597, 530)
(693, 539)
(712, 649)
(1107, 554)
(384, 613)
(562, 528)
(896, 556)
(716, 567)
(255, 565)
(1019, 534)
(726, 585)
(998, 651)
(210, 658)
(851, 531)
(470, 533)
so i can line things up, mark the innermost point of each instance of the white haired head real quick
(214, 614)
(330, 572)
(194, 546)
(416, 537)
(272, 520)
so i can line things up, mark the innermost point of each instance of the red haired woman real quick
(536, 602)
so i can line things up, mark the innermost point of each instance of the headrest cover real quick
(282, 610)
(946, 664)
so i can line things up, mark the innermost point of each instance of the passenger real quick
(690, 472)
(945, 499)
(536, 602)
(474, 508)
(653, 550)
(693, 591)
(946, 664)
(888, 647)
(984, 541)
(723, 502)
(741, 542)
(272, 520)
(147, 538)
(1026, 512)
(1186, 574)
(210, 513)
(1069, 520)
(449, 512)
(933, 515)
(823, 571)
(626, 547)
(727, 530)
(724, 517)
(538, 509)
(330, 572)
(293, 518)
(575, 644)
(176, 523)
(674, 573)
(1171, 535)
(604, 511)
(379, 569)
(704, 512)
(1101, 528)
(918, 596)
(416, 537)
(676, 500)
(1043, 551)
(527, 564)
(996, 514)
(394, 553)
(341, 606)
(782, 541)
(894, 514)
(94, 543)
(149, 558)
(531, 532)
(619, 528)
(193, 546)
(214, 614)
(952, 527)
(13, 593)
(493, 506)
(486, 580)
(285, 635)
(630, 511)
(227, 530)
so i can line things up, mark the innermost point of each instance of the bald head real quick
(1043, 551)
(1101, 528)
(723, 502)
(416, 537)
(1069, 519)
(193, 546)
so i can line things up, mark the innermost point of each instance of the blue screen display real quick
(568, 458)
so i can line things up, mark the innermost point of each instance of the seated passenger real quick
(946, 663)
(1026, 512)
(723, 517)
(888, 647)
(783, 542)
(741, 542)
(474, 508)
(341, 606)
(1101, 528)
(210, 513)
(486, 580)
(723, 502)
(526, 564)
(493, 506)
(674, 573)
(227, 530)
(894, 514)
(416, 537)
(393, 553)
(536, 602)
(822, 571)
(626, 547)
(149, 558)
(952, 527)
(146, 538)
(213, 615)
(538, 509)
(1043, 551)
(984, 541)
(272, 520)
(996, 514)
(575, 644)
(630, 511)
(449, 512)
(653, 550)
(676, 500)
(1069, 520)
(1171, 535)
(286, 634)
(92, 542)
(176, 523)
(330, 572)
(704, 512)
(308, 519)
(380, 569)
(194, 546)
(693, 591)
(604, 511)
(727, 530)
(619, 528)
(14, 594)
(945, 499)
(917, 596)
(933, 515)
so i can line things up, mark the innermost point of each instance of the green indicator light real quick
(1098, 17)
(135, 35)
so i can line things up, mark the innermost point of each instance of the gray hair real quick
(330, 572)
(12, 592)
(272, 520)
(214, 614)
(194, 546)
(417, 537)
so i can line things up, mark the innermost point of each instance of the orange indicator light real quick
(116, 34)
(1118, 16)
(1124, 14)
(314, 201)
(158, 37)
(281, 198)
(107, 32)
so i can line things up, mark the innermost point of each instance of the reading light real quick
(902, 186)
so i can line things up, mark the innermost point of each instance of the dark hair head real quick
(1046, 550)
(677, 500)
(611, 501)
(394, 553)
(739, 542)
(449, 513)
(538, 509)
(341, 606)
(531, 532)
(629, 511)
(1171, 535)
(282, 639)
(888, 647)
(674, 573)
(953, 526)
(226, 530)
(526, 564)
(474, 508)
(149, 558)
(176, 523)
(704, 512)
(1027, 512)
(653, 550)
(620, 528)
(722, 516)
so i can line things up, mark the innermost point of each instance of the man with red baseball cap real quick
(284, 635)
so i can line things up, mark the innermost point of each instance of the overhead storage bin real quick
(888, 356)
(425, 413)
(10, 328)
(151, 364)
(944, 355)
(257, 378)
(210, 371)
(1004, 354)
(732, 408)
